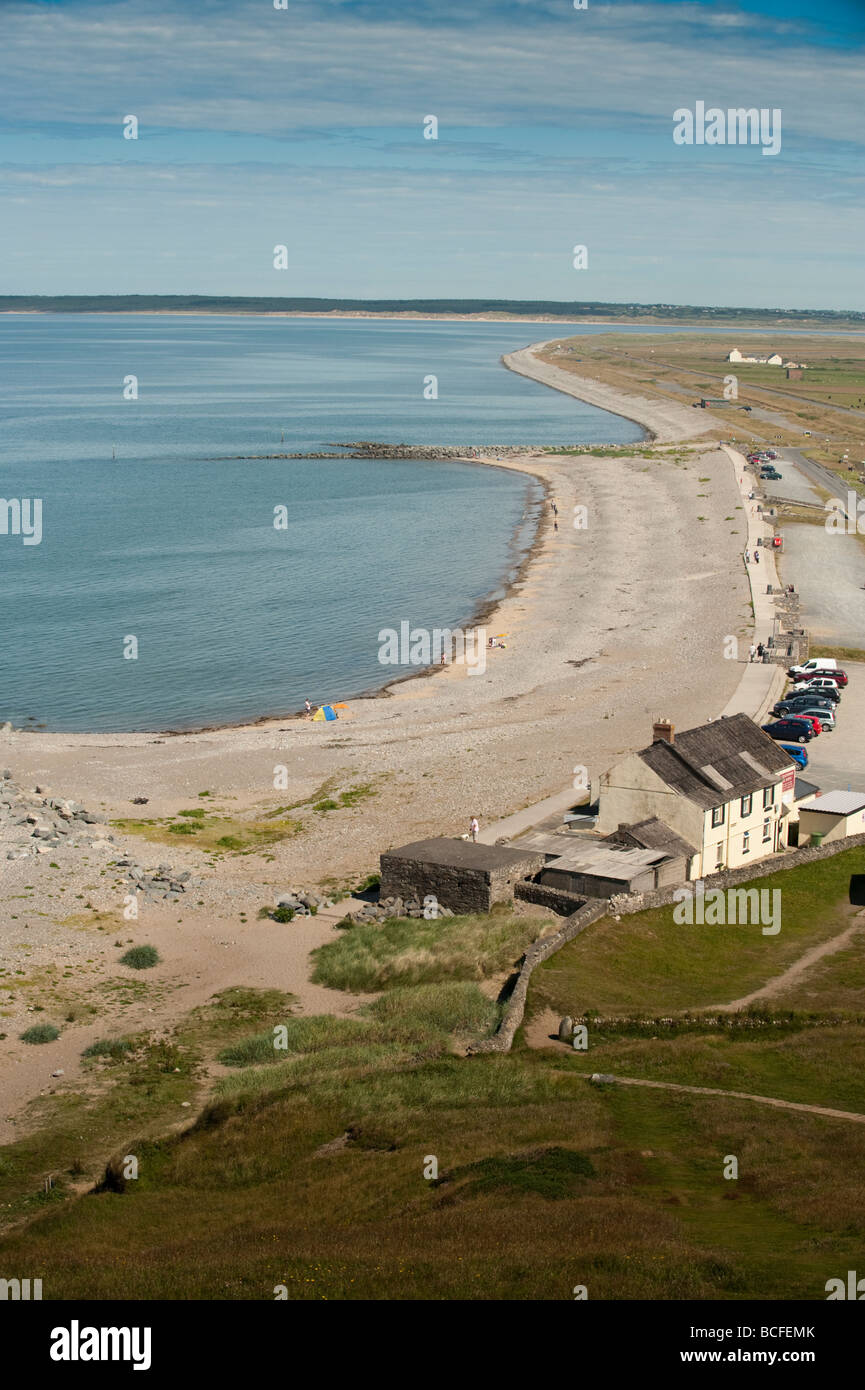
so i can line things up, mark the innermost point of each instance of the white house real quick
(776, 360)
(726, 788)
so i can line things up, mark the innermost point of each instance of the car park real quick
(796, 730)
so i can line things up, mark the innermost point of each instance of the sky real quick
(304, 127)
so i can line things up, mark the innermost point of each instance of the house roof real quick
(717, 762)
(803, 789)
(654, 834)
(836, 803)
(604, 860)
(461, 854)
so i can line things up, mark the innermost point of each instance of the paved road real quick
(827, 567)
(837, 759)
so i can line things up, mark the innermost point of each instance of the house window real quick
(768, 797)
(719, 854)
(746, 842)
(767, 831)
(718, 816)
(747, 803)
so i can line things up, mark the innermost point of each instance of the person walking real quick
(747, 557)
(756, 557)
(760, 650)
(307, 708)
(752, 652)
(474, 829)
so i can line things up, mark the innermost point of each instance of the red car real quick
(839, 677)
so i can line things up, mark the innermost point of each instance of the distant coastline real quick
(483, 310)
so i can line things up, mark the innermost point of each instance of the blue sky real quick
(304, 127)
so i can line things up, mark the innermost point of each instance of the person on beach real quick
(752, 652)
(307, 708)
(473, 829)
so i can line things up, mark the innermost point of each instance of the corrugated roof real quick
(719, 761)
(836, 803)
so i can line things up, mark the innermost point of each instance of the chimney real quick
(662, 731)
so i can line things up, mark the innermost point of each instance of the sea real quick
(178, 582)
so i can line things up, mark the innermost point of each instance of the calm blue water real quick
(175, 545)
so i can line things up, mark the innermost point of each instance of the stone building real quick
(461, 875)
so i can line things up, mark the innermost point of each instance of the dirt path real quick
(736, 1095)
(792, 974)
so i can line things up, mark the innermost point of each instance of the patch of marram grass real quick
(140, 957)
(407, 951)
(40, 1033)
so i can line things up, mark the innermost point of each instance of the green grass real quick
(140, 957)
(647, 962)
(307, 1168)
(114, 1048)
(40, 1033)
(413, 951)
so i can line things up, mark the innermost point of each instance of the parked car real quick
(808, 717)
(810, 668)
(771, 475)
(819, 686)
(799, 756)
(799, 704)
(840, 678)
(794, 729)
(826, 717)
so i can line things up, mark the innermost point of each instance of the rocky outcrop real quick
(35, 822)
(162, 884)
(395, 907)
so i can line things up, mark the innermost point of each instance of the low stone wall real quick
(555, 898)
(641, 902)
(540, 951)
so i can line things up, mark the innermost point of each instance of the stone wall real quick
(545, 896)
(641, 902)
(540, 951)
(460, 889)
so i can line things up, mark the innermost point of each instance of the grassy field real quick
(647, 961)
(368, 1158)
(828, 401)
(408, 951)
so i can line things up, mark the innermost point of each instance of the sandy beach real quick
(609, 625)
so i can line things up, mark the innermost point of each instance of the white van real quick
(817, 663)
